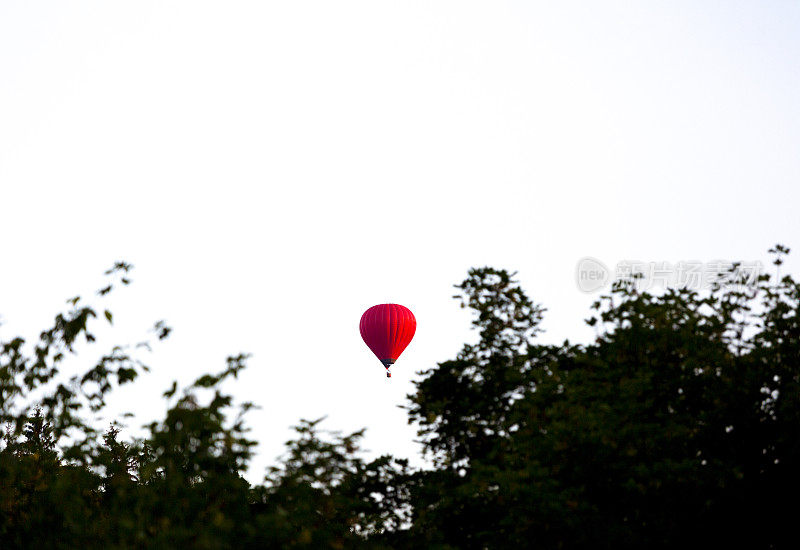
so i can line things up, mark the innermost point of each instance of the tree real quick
(677, 426)
(63, 484)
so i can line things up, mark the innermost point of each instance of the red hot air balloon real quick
(387, 329)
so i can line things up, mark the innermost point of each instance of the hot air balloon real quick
(387, 329)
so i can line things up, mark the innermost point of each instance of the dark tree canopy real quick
(679, 425)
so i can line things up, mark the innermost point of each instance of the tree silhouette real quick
(677, 426)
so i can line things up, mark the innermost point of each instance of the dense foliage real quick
(678, 426)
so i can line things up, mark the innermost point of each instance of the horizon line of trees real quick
(678, 425)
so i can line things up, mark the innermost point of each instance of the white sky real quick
(272, 169)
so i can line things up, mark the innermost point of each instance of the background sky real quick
(272, 169)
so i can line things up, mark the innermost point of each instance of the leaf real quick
(170, 392)
(206, 381)
(108, 315)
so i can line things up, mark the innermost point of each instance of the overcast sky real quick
(272, 169)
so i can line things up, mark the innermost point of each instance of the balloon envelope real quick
(388, 329)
